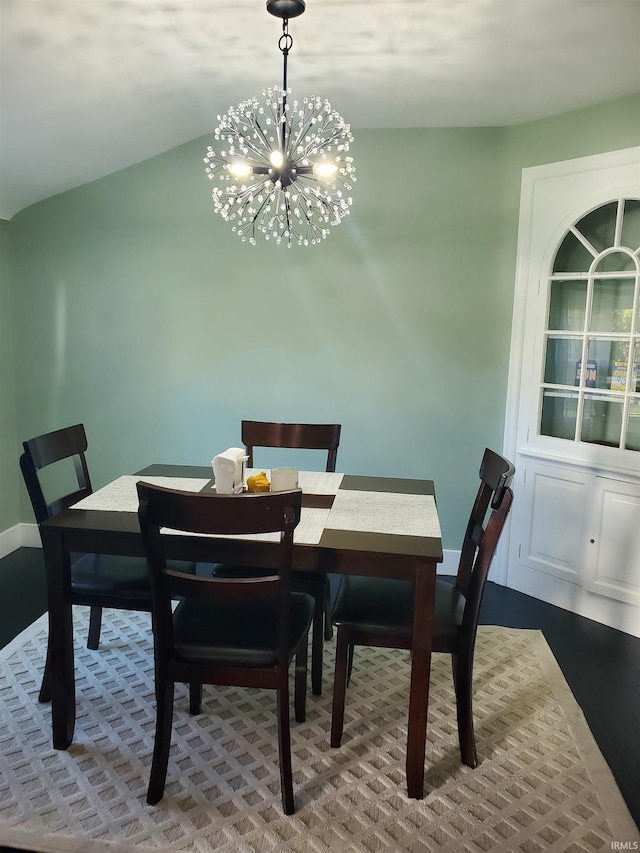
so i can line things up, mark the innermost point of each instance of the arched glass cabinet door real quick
(591, 383)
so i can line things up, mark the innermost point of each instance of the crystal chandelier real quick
(281, 169)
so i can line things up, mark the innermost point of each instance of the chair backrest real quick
(224, 515)
(45, 450)
(301, 436)
(482, 564)
(495, 475)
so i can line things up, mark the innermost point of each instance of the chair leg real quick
(195, 697)
(300, 682)
(95, 624)
(350, 663)
(317, 643)
(164, 723)
(339, 687)
(284, 748)
(463, 683)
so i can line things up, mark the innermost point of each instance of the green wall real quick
(137, 311)
(607, 127)
(9, 514)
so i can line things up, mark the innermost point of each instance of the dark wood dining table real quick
(371, 552)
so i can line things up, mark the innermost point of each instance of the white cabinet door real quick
(553, 520)
(612, 567)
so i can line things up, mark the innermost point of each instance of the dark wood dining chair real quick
(97, 580)
(379, 611)
(303, 437)
(225, 631)
(292, 436)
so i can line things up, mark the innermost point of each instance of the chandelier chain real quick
(285, 43)
(281, 168)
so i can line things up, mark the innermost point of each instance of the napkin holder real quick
(228, 471)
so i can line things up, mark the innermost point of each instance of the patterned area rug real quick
(541, 783)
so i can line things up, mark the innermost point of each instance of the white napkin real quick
(228, 470)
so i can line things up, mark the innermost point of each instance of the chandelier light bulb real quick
(240, 170)
(276, 159)
(325, 169)
(281, 169)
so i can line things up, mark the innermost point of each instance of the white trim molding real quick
(449, 565)
(27, 536)
(19, 536)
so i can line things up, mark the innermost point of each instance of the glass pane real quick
(616, 262)
(631, 225)
(608, 360)
(610, 296)
(601, 421)
(622, 319)
(567, 306)
(598, 358)
(599, 226)
(633, 427)
(559, 414)
(620, 369)
(563, 361)
(572, 256)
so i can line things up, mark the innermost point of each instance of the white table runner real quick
(385, 512)
(308, 531)
(121, 494)
(368, 512)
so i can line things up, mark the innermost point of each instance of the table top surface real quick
(342, 512)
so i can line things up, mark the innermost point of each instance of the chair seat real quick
(110, 576)
(384, 605)
(311, 583)
(242, 634)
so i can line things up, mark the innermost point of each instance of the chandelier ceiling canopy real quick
(280, 169)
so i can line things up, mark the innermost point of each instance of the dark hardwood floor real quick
(601, 665)
(23, 592)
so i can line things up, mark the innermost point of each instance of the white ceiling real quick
(88, 87)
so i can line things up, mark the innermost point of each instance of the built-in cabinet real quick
(573, 420)
(581, 529)
(591, 340)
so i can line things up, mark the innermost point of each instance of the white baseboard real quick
(30, 536)
(10, 540)
(27, 536)
(19, 536)
(449, 566)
